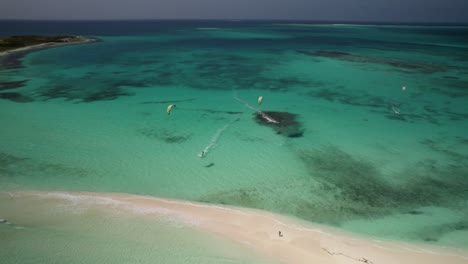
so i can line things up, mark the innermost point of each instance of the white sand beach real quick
(301, 242)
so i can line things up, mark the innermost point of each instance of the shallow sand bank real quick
(301, 242)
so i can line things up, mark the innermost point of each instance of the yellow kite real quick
(260, 99)
(169, 108)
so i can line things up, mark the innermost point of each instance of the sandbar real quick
(300, 241)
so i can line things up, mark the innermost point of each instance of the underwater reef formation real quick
(165, 135)
(404, 65)
(341, 186)
(15, 97)
(16, 166)
(283, 123)
(12, 60)
(82, 94)
(12, 85)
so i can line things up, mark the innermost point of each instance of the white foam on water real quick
(79, 203)
(395, 110)
(265, 116)
(268, 118)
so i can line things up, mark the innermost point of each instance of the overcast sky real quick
(319, 10)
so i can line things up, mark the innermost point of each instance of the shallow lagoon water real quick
(372, 157)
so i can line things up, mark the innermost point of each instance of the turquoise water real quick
(363, 153)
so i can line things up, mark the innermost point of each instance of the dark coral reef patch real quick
(15, 97)
(342, 186)
(13, 166)
(361, 188)
(12, 85)
(82, 94)
(419, 67)
(12, 60)
(283, 123)
(165, 135)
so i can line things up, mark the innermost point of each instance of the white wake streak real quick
(215, 138)
(265, 116)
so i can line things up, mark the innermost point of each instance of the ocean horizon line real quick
(249, 20)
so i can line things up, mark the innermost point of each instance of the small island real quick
(13, 48)
(20, 43)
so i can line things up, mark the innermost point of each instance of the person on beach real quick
(279, 234)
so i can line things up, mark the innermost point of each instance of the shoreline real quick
(47, 45)
(301, 242)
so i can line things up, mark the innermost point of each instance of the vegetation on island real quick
(15, 42)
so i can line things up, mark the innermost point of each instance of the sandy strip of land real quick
(48, 45)
(301, 242)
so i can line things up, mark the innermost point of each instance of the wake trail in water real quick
(265, 116)
(215, 138)
(219, 132)
(245, 103)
